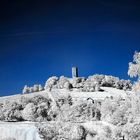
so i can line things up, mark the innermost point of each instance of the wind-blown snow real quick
(18, 131)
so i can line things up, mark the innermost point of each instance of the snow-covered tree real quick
(132, 131)
(51, 82)
(12, 111)
(40, 87)
(134, 67)
(26, 89)
(36, 88)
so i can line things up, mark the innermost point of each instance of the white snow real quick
(18, 131)
(97, 126)
(108, 91)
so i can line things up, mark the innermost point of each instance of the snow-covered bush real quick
(78, 82)
(67, 85)
(134, 67)
(35, 88)
(107, 133)
(61, 131)
(109, 81)
(51, 82)
(132, 131)
(136, 87)
(114, 111)
(49, 131)
(40, 87)
(11, 111)
(93, 83)
(36, 109)
(120, 117)
(80, 112)
(26, 89)
(97, 78)
(29, 111)
(64, 83)
(91, 86)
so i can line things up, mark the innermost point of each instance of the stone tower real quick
(74, 72)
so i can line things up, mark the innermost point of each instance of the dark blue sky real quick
(42, 38)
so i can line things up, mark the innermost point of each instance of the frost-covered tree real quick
(36, 88)
(40, 87)
(134, 71)
(132, 131)
(26, 89)
(31, 89)
(51, 82)
(134, 67)
(28, 112)
(12, 111)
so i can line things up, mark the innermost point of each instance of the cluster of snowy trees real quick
(59, 83)
(35, 88)
(41, 108)
(90, 84)
(26, 109)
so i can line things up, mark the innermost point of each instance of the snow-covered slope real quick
(107, 92)
(18, 131)
(28, 131)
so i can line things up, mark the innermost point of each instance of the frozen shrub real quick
(36, 108)
(108, 107)
(39, 99)
(97, 78)
(91, 86)
(49, 131)
(40, 87)
(12, 111)
(81, 112)
(26, 89)
(29, 111)
(136, 87)
(61, 130)
(117, 133)
(51, 82)
(127, 85)
(107, 134)
(63, 83)
(36, 88)
(78, 132)
(109, 81)
(67, 85)
(78, 82)
(134, 67)
(31, 89)
(119, 117)
(61, 100)
(1, 112)
(132, 131)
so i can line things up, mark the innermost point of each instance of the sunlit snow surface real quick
(18, 131)
(28, 131)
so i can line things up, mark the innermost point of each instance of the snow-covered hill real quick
(107, 92)
(53, 103)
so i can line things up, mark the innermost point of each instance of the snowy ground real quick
(108, 91)
(28, 131)
(18, 131)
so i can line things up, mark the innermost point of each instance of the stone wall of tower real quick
(74, 72)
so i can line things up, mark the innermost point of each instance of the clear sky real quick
(42, 38)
